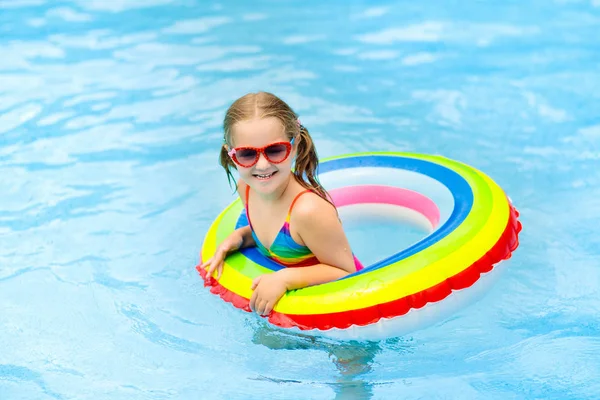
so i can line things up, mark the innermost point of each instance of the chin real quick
(266, 184)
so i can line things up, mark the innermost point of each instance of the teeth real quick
(264, 176)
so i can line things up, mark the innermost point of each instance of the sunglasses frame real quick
(259, 151)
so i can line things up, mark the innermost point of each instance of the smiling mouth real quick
(264, 177)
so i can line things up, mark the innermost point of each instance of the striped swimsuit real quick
(285, 250)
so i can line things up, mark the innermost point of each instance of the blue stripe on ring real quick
(458, 186)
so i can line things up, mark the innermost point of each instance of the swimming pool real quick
(110, 115)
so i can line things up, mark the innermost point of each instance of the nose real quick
(262, 163)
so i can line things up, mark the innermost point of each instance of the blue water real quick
(110, 114)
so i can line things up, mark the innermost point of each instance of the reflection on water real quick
(352, 360)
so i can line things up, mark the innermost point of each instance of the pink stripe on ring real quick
(381, 194)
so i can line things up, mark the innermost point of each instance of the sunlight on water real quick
(110, 125)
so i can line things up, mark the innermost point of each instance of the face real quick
(267, 174)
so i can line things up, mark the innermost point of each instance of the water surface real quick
(110, 124)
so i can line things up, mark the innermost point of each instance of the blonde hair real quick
(263, 105)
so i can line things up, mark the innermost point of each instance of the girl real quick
(291, 219)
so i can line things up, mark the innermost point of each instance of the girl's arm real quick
(247, 239)
(316, 222)
(296, 278)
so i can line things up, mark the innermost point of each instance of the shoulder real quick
(316, 222)
(313, 211)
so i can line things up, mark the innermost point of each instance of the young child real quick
(291, 219)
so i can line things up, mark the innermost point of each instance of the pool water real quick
(110, 125)
(387, 229)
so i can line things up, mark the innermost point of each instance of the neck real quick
(277, 194)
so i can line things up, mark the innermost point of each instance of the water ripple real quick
(24, 375)
(196, 26)
(116, 6)
(63, 210)
(153, 333)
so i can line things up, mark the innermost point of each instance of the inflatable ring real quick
(473, 227)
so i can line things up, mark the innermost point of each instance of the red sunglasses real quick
(275, 153)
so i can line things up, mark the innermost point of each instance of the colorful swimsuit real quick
(285, 250)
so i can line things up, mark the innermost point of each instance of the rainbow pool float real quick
(473, 226)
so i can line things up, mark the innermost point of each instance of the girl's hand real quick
(268, 289)
(232, 243)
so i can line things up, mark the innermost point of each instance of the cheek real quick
(288, 163)
(291, 161)
(244, 171)
(290, 158)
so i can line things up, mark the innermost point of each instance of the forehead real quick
(257, 132)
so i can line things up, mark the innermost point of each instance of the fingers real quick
(257, 303)
(215, 263)
(262, 307)
(255, 282)
(211, 269)
(219, 270)
(268, 308)
(218, 266)
(203, 266)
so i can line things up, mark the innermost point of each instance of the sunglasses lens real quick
(246, 156)
(276, 152)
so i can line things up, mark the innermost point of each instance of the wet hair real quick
(264, 105)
